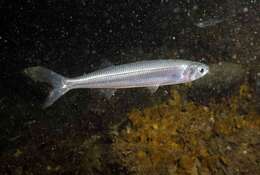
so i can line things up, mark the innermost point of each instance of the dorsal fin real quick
(105, 63)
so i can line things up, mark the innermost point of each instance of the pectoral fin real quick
(108, 93)
(153, 89)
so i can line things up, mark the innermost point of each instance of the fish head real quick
(196, 71)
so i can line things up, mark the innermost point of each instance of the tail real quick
(58, 82)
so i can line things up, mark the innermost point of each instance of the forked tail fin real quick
(58, 82)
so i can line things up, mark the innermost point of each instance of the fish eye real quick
(201, 70)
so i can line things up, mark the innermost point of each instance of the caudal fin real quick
(58, 82)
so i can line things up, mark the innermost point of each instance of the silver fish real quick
(150, 73)
(208, 23)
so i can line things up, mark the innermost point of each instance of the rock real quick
(221, 81)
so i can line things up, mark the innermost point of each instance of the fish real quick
(148, 73)
(208, 23)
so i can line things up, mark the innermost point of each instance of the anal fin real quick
(153, 89)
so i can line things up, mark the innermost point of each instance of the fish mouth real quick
(207, 70)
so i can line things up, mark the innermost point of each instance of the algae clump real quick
(182, 137)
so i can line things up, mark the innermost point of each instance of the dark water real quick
(73, 37)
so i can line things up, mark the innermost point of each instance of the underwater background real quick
(209, 126)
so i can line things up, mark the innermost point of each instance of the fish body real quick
(150, 73)
(208, 23)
